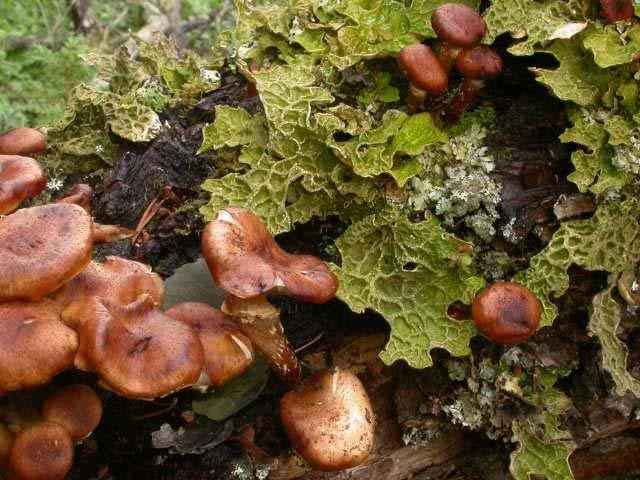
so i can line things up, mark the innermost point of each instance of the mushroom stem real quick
(466, 95)
(415, 98)
(260, 321)
(447, 55)
(110, 233)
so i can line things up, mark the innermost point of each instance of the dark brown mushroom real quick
(20, 178)
(42, 248)
(616, 10)
(227, 351)
(424, 72)
(506, 313)
(76, 407)
(329, 420)
(22, 141)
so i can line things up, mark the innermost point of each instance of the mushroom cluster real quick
(460, 30)
(60, 309)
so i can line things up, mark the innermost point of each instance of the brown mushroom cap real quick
(136, 350)
(506, 313)
(20, 178)
(329, 420)
(34, 344)
(245, 261)
(458, 24)
(76, 407)
(479, 63)
(118, 280)
(6, 442)
(227, 351)
(42, 248)
(616, 10)
(22, 141)
(41, 452)
(260, 321)
(422, 68)
(79, 194)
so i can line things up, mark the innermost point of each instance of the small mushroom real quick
(43, 451)
(458, 26)
(42, 248)
(227, 351)
(506, 313)
(22, 141)
(477, 65)
(20, 178)
(80, 194)
(329, 420)
(424, 72)
(246, 262)
(76, 407)
(616, 10)
(34, 344)
(136, 350)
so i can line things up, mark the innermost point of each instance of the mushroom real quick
(34, 344)
(477, 65)
(20, 178)
(117, 280)
(76, 407)
(506, 313)
(248, 264)
(616, 10)
(43, 451)
(79, 194)
(329, 420)
(22, 141)
(424, 72)
(42, 248)
(227, 351)
(136, 350)
(458, 26)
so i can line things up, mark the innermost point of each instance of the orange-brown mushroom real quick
(22, 141)
(76, 407)
(506, 313)
(20, 178)
(136, 350)
(424, 72)
(79, 194)
(329, 420)
(43, 451)
(42, 248)
(117, 280)
(34, 344)
(227, 351)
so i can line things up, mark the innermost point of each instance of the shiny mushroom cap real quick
(22, 141)
(506, 313)
(34, 344)
(245, 261)
(136, 350)
(76, 407)
(43, 451)
(616, 10)
(41, 249)
(329, 420)
(260, 322)
(20, 178)
(227, 351)
(423, 69)
(480, 63)
(458, 25)
(117, 280)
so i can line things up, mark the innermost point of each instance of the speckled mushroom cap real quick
(245, 261)
(42, 248)
(76, 407)
(458, 24)
(22, 141)
(480, 63)
(43, 451)
(34, 344)
(136, 350)
(422, 68)
(227, 351)
(506, 313)
(20, 178)
(117, 280)
(329, 420)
